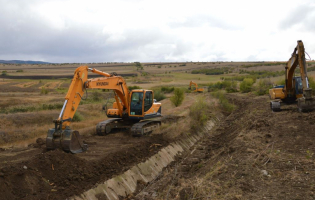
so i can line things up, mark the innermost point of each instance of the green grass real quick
(224, 102)
(199, 112)
(32, 108)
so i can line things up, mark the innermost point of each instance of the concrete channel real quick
(126, 183)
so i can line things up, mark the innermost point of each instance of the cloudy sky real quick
(155, 31)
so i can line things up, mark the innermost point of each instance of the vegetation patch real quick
(262, 87)
(199, 113)
(216, 71)
(246, 85)
(224, 102)
(159, 95)
(178, 97)
(134, 87)
(228, 86)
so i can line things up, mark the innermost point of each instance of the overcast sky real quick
(155, 31)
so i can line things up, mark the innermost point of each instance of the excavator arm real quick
(61, 135)
(296, 89)
(297, 59)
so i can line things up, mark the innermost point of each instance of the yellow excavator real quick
(296, 88)
(135, 110)
(196, 87)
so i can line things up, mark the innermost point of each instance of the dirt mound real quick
(253, 153)
(58, 175)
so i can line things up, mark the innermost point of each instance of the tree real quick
(4, 73)
(178, 97)
(138, 66)
(246, 85)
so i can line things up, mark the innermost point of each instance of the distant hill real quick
(22, 62)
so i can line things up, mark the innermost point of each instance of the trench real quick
(124, 184)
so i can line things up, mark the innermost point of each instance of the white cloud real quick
(200, 30)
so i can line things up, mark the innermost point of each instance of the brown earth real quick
(252, 153)
(34, 173)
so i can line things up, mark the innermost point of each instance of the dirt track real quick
(252, 153)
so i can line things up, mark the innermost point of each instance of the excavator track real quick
(144, 127)
(105, 127)
(136, 129)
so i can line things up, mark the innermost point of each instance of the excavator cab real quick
(141, 103)
(298, 85)
(136, 103)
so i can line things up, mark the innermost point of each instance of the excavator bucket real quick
(305, 105)
(67, 140)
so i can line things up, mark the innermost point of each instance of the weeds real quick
(133, 87)
(199, 112)
(246, 85)
(167, 89)
(229, 86)
(44, 91)
(178, 97)
(216, 71)
(263, 87)
(77, 117)
(224, 102)
(32, 108)
(4, 73)
(159, 95)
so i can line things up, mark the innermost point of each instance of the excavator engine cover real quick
(67, 140)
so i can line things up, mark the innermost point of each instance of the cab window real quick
(148, 100)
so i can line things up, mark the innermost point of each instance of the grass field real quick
(31, 104)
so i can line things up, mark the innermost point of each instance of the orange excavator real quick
(296, 88)
(135, 110)
(196, 87)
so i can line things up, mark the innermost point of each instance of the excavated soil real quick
(34, 173)
(253, 153)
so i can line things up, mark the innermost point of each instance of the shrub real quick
(246, 85)
(263, 87)
(77, 117)
(199, 112)
(4, 73)
(133, 87)
(167, 89)
(44, 90)
(312, 84)
(224, 102)
(96, 96)
(159, 95)
(281, 82)
(178, 97)
(20, 70)
(230, 86)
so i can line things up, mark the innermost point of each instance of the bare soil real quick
(34, 173)
(253, 153)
